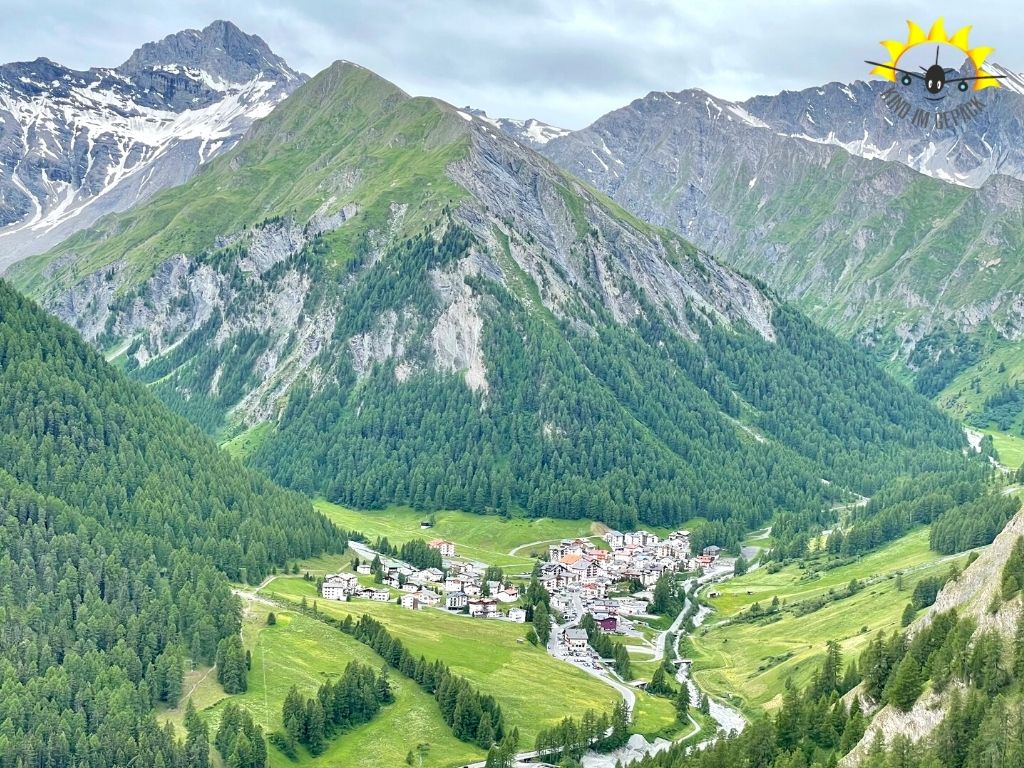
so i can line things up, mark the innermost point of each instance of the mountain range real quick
(383, 299)
(795, 190)
(76, 145)
(404, 304)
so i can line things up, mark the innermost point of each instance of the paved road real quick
(558, 651)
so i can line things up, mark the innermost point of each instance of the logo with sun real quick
(937, 76)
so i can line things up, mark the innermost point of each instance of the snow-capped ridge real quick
(81, 144)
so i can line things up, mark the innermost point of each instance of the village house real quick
(648, 539)
(508, 594)
(471, 589)
(456, 601)
(704, 561)
(417, 601)
(575, 641)
(560, 601)
(446, 548)
(567, 547)
(452, 584)
(428, 598)
(338, 586)
(363, 569)
(614, 539)
(607, 607)
(419, 579)
(712, 551)
(432, 575)
(592, 590)
(483, 608)
(606, 622)
(518, 615)
(629, 606)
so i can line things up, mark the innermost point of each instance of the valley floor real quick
(748, 662)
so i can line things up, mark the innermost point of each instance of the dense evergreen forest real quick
(585, 417)
(120, 525)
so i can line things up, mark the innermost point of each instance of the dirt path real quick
(192, 690)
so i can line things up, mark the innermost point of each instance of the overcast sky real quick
(563, 61)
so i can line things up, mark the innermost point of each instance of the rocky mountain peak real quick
(75, 145)
(220, 49)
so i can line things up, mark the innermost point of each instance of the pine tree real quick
(485, 732)
(197, 739)
(906, 684)
(908, 616)
(682, 702)
(232, 672)
(542, 623)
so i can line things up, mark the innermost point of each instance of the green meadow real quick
(488, 538)
(302, 651)
(749, 662)
(535, 691)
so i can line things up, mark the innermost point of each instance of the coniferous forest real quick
(120, 526)
(628, 425)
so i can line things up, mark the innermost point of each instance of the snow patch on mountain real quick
(533, 133)
(75, 146)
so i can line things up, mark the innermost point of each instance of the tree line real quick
(473, 717)
(353, 699)
(628, 424)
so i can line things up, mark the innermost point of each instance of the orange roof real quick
(570, 559)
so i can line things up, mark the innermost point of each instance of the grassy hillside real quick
(303, 652)
(750, 662)
(394, 147)
(535, 691)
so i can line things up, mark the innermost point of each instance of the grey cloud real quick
(565, 62)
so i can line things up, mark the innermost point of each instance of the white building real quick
(338, 586)
(446, 548)
(484, 608)
(614, 539)
(456, 601)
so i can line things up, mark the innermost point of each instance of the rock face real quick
(818, 194)
(75, 146)
(853, 117)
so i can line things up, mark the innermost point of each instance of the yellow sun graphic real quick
(937, 34)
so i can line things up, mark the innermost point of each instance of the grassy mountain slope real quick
(121, 524)
(430, 313)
